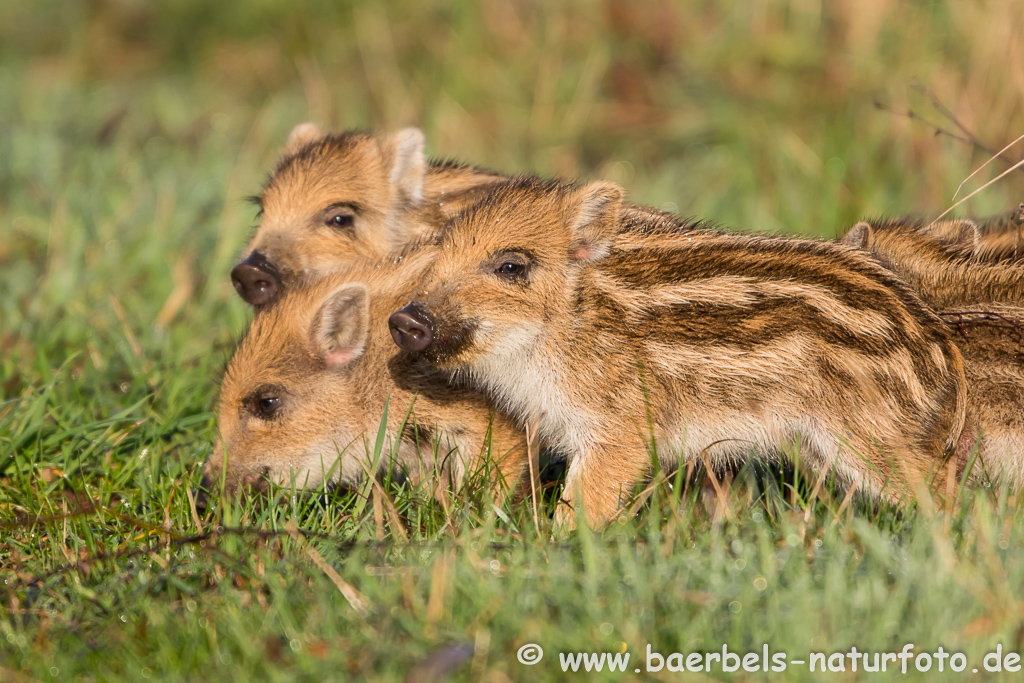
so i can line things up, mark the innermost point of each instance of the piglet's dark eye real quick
(268, 405)
(264, 404)
(341, 221)
(511, 270)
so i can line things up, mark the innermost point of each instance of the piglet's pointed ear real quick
(302, 135)
(860, 236)
(594, 220)
(959, 232)
(342, 324)
(408, 163)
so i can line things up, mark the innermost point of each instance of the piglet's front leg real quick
(601, 480)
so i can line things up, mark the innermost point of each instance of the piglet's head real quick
(333, 199)
(289, 399)
(505, 269)
(895, 242)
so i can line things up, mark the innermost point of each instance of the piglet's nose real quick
(411, 328)
(256, 279)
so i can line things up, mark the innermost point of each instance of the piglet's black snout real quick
(412, 328)
(256, 279)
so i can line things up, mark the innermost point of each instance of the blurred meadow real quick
(133, 130)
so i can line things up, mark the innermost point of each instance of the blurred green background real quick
(132, 130)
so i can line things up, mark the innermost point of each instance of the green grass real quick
(132, 131)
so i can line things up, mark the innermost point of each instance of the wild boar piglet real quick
(336, 198)
(947, 266)
(619, 345)
(940, 260)
(304, 393)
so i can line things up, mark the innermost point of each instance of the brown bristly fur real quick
(941, 260)
(1001, 237)
(690, 341)
(324, 352)
(991, 339)
(977, 291)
